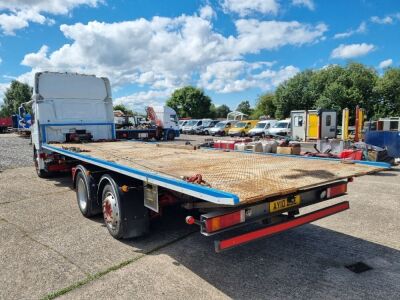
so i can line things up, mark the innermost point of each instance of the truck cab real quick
(67, 107)
(169, 121)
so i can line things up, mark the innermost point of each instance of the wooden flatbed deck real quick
(252, 177)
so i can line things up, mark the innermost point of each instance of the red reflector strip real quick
(270, 230)
(336, 190)
(224, 221)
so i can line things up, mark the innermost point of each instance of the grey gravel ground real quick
(15, 151)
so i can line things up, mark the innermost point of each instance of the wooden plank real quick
(250, 176)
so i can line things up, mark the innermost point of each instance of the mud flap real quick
(136, 215)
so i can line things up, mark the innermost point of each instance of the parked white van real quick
(193, 125)
(262, 127)
(282, 128)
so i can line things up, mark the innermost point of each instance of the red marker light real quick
(190, 220)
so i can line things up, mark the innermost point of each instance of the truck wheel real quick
(171, 135)
(111, 203)
(124, 212)
(40, 172)
(86, 196)
(206, 132)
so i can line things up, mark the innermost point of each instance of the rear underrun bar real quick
(274, 229)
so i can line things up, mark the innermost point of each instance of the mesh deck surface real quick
(252, 177)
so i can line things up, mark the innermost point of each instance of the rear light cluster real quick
(336, 190)
(220, 222)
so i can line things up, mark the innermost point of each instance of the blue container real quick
(385, 139)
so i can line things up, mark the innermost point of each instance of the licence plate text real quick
(282, 204)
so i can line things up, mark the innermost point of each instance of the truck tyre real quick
(40, 172)
(124, 213)
(86, 195)
(112, 214)
(170, 135)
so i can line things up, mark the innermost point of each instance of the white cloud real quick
(238, 75)
(384, 20)
(385, 63)
(389, 19)
(307, 3)
(206, 12)
(352, 50)
(256, 35)
(163, 52)
(361, 29)
(138, 101)
(247, 7)
(17, 14)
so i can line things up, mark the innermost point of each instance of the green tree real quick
(295, 93)
(245, 107)
(14, 96)
(124, 109)
(190, 102)
(222, 111)
(334, 87)
(265, 106)
(388, 94)
(346, 87)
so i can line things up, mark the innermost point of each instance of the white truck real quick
(162, 125)
(131, 183)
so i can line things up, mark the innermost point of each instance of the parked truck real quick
(5, 124)
(162, 124)
(131, 183)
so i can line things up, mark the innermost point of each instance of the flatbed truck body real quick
(131, 183)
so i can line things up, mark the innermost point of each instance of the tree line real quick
(333, 87)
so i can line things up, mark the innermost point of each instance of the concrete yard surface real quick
(48, 249)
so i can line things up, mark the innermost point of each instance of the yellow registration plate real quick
(282, 204)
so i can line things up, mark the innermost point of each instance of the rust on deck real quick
(252, 177)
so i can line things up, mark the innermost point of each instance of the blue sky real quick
(233, 49)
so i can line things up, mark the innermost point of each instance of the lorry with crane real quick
(131, 183)
(162, 124)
